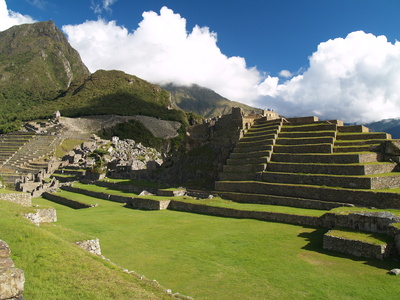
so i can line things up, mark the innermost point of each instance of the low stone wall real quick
(360, 198)
(92, 246)
(377, 222)
(354, 247)
(280, 200)
(12, 280)
(243, 214)
(44, 215)
(24, 199)
(320, 148)
(65, 201)
(137, 189)
(139, 203)
(333, 169)
(148, 204)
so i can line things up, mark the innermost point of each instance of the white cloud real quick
(9, 18)
(98, 7)
(356, 79)
(161, 50)
(285, 74)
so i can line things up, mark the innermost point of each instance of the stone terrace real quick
(28, 157)
(302, 162)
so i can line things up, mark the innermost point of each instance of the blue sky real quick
(335, 53)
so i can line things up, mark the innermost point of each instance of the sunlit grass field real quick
(209, 257)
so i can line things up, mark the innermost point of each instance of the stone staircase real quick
(299, 163)
(29, 158)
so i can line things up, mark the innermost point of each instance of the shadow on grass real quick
(315, 244)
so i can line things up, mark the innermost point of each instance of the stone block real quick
(4, 249)
(12, 282)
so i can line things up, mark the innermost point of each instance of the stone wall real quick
(377, 222)
(12, 280)
(355, 247)
(65, 201)
(24, 199)
(243, 214)
(139, 203)
(131, 188)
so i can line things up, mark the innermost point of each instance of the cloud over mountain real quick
(356, 78)
(161, 50)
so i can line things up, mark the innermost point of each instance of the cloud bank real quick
(9, 18)
(355, 79)
(161, 50)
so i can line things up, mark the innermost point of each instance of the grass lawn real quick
(221, 258)
(55, 268)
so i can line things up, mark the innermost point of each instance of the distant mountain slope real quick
(202, 101)
(391, 126)
(40, 72)
(36, 64)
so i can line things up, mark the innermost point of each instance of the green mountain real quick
(203, 101)
(391, 126)
(36, 64)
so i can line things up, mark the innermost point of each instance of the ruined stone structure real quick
(12, 279)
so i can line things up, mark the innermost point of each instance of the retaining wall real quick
(24, 199)
(65, 201)
(242, 214)
(356, 248)
(360, 198)
(137, 189)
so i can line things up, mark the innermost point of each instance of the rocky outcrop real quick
(12, 279)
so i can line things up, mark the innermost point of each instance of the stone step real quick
(241, 155)
(316, 148)
(335, 158)
(246, 161)
(361, 148)
(304, 141)
(363, 198)
(257, 133)
(305, 134)
(358, 143)
(263, 122)
(353, 128)
(244, 168)
(241, 176)
(350, 182)
(251, 146)
(364, 136)
(281, 200)
(312, 127)
(268, 136)
(334, 169)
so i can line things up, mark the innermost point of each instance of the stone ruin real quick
(12, 279)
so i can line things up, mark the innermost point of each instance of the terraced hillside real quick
(306, 163)
(24, 153)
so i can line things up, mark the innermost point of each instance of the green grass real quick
(220, 258)
(66, 146)
(347, 210)
(367, 237)
(55, 268)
